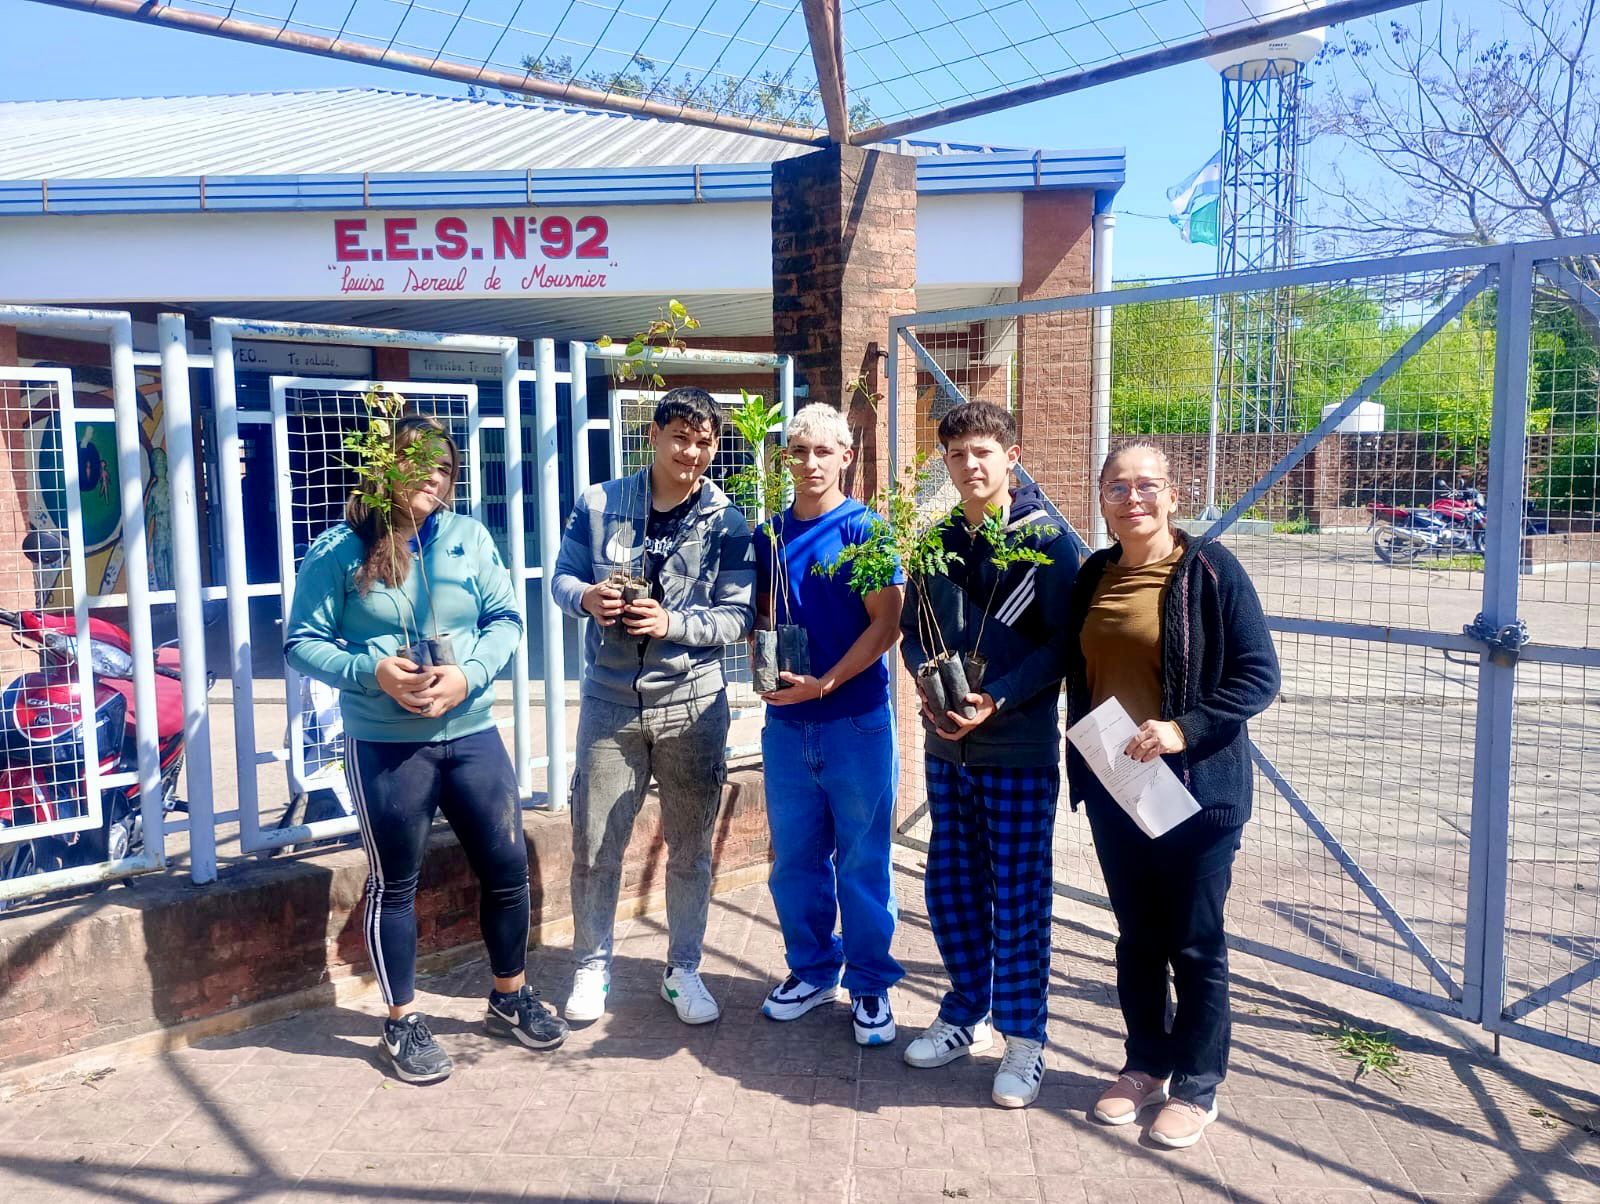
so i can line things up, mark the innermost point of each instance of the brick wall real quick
(99, 968)
(844, 239)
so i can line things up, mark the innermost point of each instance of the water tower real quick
(1258, 211)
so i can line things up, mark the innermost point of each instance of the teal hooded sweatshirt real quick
(336, 634)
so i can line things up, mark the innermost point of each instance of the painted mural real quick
(95, 447)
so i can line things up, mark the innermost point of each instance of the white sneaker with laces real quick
(686, 991)
(942, 1043)
(791, 999)
(590, 987)
(1016, 1083)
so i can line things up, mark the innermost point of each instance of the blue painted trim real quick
(1103, 171)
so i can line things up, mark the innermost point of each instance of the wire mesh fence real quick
(1358, 859)
(1552, 939)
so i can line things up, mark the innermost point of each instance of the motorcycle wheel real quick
(1393, 547)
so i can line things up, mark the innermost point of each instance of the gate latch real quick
(1505, 645)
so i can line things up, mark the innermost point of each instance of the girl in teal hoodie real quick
(419, 733)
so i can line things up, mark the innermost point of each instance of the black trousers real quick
(397, 789)
(1168, 895)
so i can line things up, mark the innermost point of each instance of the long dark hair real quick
(387, 556)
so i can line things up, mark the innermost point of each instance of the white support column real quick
(547, 450)
(182, 476)
(1105, 225)
(517, 537)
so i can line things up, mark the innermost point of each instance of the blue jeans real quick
(830, 805)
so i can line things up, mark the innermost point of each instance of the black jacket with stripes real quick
(1022, 636)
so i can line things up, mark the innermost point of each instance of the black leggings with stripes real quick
(397, 789)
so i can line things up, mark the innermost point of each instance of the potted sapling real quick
(640, 361)
(900, 539)
(779, 644)
(1006, 549)
(390, 469)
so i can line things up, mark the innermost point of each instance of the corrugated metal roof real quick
(352, 130)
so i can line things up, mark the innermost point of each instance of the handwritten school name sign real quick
(472, 253)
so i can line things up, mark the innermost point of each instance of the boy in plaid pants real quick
(993, 778)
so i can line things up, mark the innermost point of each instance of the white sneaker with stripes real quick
(1016, 1083)
(942, 1043)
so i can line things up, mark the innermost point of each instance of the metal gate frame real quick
(117, 328)
(1498, 636)
(283, 491)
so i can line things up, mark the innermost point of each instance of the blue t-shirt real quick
(833, 614)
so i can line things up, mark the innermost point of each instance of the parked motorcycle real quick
(1453, 522)
(41, 733)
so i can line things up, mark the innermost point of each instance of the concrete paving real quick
(639, 1107)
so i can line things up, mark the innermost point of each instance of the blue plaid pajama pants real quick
(989, 891)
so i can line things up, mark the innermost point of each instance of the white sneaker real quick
(1016, 1083)
(873, 1020)
(942, 1043)
(590, 987)
(791, 999)
(686, 991)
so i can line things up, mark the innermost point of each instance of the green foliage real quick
(1161, 367)
(763, 483)
(1007, 548)
(384, 470)
(1299, 525)
(1571, 480)
(898, 539)
(641, 356)
(1371, 1051)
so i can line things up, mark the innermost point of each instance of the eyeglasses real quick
(1118, 492)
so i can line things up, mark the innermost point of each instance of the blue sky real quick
(1168, 121)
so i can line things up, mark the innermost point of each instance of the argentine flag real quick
(1194, 203)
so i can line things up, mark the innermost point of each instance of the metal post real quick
(516, 534)
(786, 391)
(578, 410)
(130, 470)
(547, 452)
(230, 463)
(1484, 970)
(188, 585)
(891, 395)
(1105, 225)
(614, 435)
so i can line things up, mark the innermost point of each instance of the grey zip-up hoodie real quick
(707, 590)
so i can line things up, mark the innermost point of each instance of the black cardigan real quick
(1218, 668)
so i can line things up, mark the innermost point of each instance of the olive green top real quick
(1122, 636)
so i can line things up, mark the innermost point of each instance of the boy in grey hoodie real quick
(654, 704)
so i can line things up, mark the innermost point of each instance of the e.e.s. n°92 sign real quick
(461, 253)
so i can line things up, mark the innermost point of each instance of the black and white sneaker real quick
(791, 999)
(417, 1057)
(1016, 1083)
(942, 1043)
(521, 1015)
(873, 1020)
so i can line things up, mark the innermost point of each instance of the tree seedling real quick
(899, 538)
(387, 474)
(762, 485)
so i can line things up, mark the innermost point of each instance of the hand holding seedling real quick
(646, 618)
(983, 706)
(802, 688)
(604, 602)
(445, 691)
(402, 681)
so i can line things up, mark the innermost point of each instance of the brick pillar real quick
(1054, 357)
(844, 259)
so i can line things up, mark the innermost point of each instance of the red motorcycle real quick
(42, 744)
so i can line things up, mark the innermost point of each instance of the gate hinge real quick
(1505, 644)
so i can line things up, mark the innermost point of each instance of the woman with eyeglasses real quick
(1170, 627)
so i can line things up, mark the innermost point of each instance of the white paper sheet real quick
(1148, 791)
